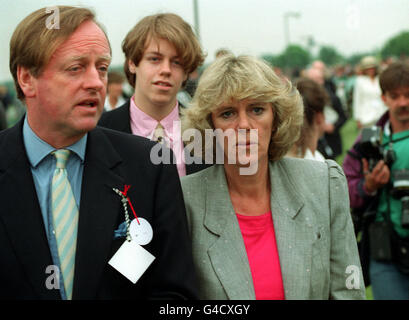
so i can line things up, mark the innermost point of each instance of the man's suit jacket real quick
(112, 159)
(314, 233)
(119, 119)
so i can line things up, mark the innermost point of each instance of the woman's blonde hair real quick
(245, 77)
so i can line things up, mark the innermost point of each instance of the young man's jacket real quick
(112, 160)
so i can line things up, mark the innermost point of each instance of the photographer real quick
(377, 170)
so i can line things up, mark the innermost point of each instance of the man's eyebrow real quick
(161, 54)
(106, 58)
(81, 58)
(154, 52)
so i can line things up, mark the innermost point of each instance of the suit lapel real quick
(228, 254)
(98, 214)
(22, 214)
(292, 234)
(196, 165)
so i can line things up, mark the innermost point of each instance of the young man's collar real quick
(145, 124)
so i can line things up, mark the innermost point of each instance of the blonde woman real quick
(282, 232)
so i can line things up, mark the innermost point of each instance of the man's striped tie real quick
(159, 134)
(65, 219)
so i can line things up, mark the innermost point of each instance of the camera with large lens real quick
(400, 191)
(372, 149)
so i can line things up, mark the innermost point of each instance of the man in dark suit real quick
(161, 51)
(66, 185)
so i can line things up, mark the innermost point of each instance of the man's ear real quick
(131, 66)
(26, 81)
(383, 98)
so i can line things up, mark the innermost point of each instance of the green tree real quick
(294, 57)
(397, 46)
(329, 55)
(271, 59)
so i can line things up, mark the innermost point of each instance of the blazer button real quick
(318, 235)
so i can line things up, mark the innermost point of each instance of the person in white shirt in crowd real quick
(367, 105)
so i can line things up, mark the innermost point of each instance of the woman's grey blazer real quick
(314, 232)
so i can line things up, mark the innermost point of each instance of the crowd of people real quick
(219, 185)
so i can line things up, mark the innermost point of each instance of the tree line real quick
(297, 57)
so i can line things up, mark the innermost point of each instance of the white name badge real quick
(131, 260)
(141, 232)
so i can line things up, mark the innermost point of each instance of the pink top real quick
(144, 125)
(260, 242)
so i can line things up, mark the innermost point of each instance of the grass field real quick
(349, 132)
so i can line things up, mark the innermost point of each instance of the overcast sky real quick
(244, 26)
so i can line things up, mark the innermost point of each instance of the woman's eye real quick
(226, 114)
(258, 110)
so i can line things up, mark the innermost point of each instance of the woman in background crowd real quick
(314, 98)
(367, 105)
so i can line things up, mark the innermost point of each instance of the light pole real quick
(287, 16)
(310, 43)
